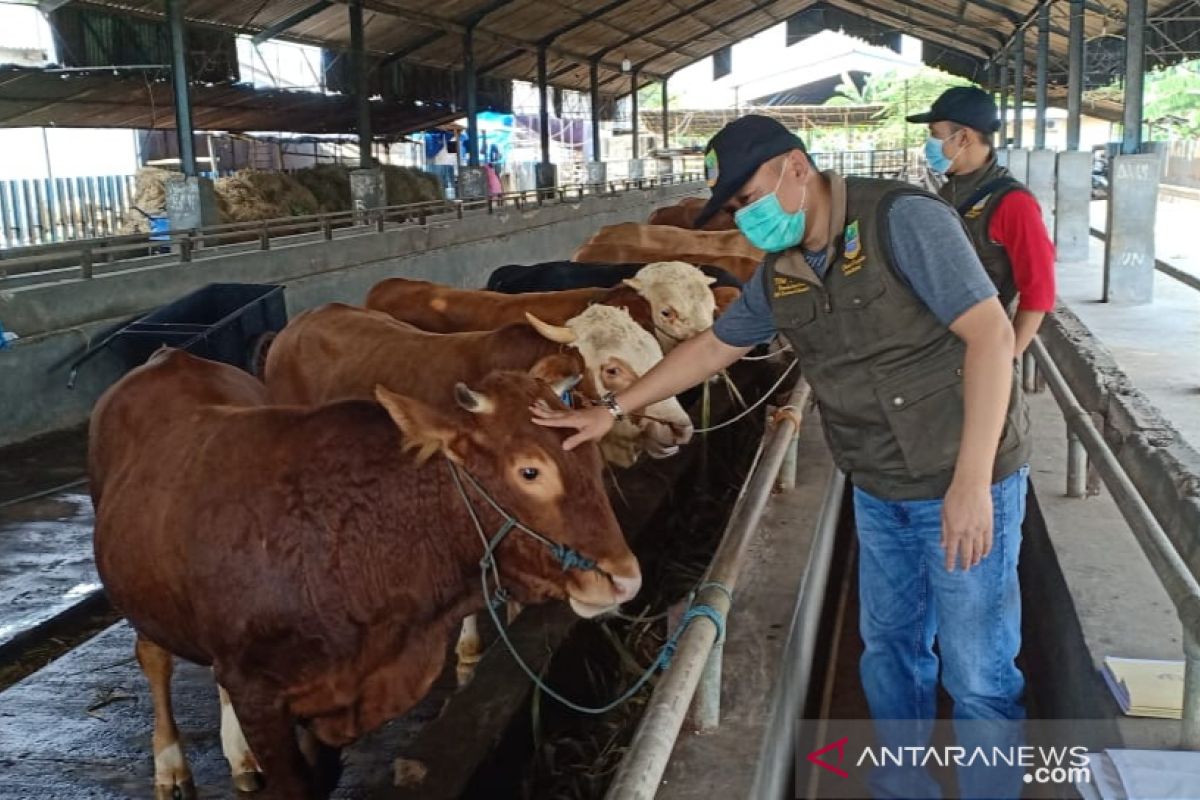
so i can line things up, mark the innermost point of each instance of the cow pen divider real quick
(1084, 442)
(694, 676)
(77, 259)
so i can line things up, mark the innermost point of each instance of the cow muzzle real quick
(594, 593)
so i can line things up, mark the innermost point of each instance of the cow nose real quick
(626, 588)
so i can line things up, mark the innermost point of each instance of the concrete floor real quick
(46, 562)
(1156, 345)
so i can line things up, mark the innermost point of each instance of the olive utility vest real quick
(960, 191)
(886, 372)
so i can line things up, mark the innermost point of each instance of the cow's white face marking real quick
(680, 299)
(618, 351)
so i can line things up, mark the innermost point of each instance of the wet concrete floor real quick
(79, 729)
(46, 565)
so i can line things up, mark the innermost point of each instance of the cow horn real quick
(555, 333)
(472, 401)
(561, 387)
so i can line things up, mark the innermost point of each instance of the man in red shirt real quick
(1002, 217)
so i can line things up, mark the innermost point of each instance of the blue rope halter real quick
(567, 558)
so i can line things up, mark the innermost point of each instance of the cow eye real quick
(612, 372)
(666, 312)
(530, 473)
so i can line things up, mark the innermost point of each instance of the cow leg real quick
(172, 777)
(469, 649)
(243, 766)
(325, 761)
(271, 734)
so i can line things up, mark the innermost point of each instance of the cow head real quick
(680, 299)
(616, 352)
(487, 431)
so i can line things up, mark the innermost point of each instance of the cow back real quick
(559, 275)
(634, 242)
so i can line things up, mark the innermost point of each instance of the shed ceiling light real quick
(626, 65)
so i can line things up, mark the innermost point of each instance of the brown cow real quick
(632, 242)
(338, 351)
(680, 303)
(683, 215)
(315, 563)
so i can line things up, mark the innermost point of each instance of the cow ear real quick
(633, 283)
(425, 430)
(710, 280)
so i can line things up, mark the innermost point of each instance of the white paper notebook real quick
(1146, 688)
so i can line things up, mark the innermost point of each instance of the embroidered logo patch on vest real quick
(710, 168)
(975, 211)
(785, 287)
(852, 254)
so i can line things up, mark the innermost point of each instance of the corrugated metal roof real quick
(30, 97)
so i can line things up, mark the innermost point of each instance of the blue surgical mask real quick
(767, 225)
(935, 155)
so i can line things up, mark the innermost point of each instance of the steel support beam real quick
(595, 70)
(945, 16)
(633, 100)
(543, 105)
(1004, 90)
(362, 99)
(1075, 75)
(181, 88)
(666, 117)
(1135, 66)
(1043, 69)
(633, 37)
(1018, 87)
(905, 24)
(291, 21)
(425, 41)
(472, 100)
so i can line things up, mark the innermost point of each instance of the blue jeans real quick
(908, 599)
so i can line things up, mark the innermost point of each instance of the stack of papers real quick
(1146, 688)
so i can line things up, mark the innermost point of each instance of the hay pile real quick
(253, 195)
(329, 184)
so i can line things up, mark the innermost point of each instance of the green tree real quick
(898, 94)
(650, 97)
(1172, 100)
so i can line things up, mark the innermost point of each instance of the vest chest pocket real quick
(797, 311)
(858, 291)
(924, 409)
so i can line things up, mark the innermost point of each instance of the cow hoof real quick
(184, 790)
(406, 772)
(248, 782)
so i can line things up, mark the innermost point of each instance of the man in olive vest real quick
(1003, 219)
(910, 355)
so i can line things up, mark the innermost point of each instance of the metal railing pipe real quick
(1172, 571)
(643, 766)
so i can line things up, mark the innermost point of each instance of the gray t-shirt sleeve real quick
(748, 320)
(935, 258)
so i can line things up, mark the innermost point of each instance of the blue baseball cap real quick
(736, 152)
(964, 105)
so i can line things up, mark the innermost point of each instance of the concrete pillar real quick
(1074, 74)
(367, 189)
(181, 89)
(1073, 195)
(1018, 164)
(191, 202)
(1135, 65)
(1040, 181)
(472, 183)
(597, 173)
(546, 175)
(1043, 78)
(1018, 88)
(637, 169)
(1002, 156)
(1129, 248)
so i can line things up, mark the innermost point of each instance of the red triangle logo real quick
(840, 747)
